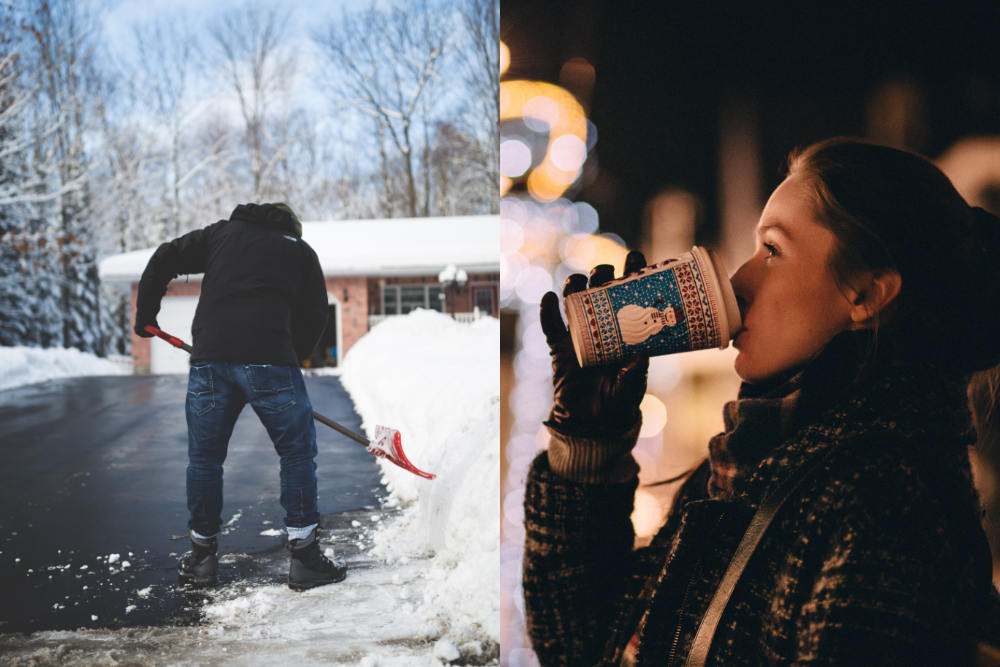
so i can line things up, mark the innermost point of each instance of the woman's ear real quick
(873, 295)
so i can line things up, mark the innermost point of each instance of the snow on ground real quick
(27, 365)
(422, 588)
(438, 382)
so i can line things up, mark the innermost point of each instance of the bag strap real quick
(755, 531)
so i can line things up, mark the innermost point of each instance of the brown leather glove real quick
(596, 399)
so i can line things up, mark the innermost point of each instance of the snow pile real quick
(27, 365)
(438, 382)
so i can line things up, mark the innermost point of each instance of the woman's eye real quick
(772, 250)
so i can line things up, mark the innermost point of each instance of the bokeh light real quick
(515, 157)
(568, 152)
(534, 346)
(582, 252)
(591, 135)
(646, 513)
(505, 185)
(578, 74)
(504, 58)
(664, 374)
(532, 283)
(511, 236)
(654, 416)
(586, 218)
(547, 108)
(541, 113)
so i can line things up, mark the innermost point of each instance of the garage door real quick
(176, 315)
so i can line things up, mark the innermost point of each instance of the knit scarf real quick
(754, 423)
(838, 382)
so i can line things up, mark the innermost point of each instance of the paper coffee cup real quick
(684, 303)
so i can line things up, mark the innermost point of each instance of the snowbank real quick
(27, 365)
(438, 382)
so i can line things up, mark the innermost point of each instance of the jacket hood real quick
(268, 215)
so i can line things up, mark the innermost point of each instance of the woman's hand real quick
(602, 397)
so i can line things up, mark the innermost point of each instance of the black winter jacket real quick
(263, 297)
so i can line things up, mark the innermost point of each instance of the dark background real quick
(665, 72)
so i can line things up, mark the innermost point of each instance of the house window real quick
(484, 300)
(390, 300)
(412, 297)
(435, 298)
(401, 299)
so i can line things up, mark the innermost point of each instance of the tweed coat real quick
(878, 558)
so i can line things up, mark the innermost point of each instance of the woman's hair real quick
(984, 400)
(890, 209)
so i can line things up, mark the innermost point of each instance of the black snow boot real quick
(309, 567)
(200, 566)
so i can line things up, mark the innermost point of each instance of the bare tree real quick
(456, 160)
(258, 68)
(125, 195)
(481, 65)
(218, 188)
(384, 62)
(165, 94)
(165, 50)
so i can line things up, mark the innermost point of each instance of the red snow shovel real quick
(387, 443)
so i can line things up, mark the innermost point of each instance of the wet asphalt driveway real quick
(93, 467)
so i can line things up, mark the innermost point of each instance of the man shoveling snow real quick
(262, 310)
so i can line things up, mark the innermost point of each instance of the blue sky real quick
(119, 17)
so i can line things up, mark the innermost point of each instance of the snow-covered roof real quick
(395, 246)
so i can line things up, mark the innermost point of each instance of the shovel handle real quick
(340, 429)
(173, 340)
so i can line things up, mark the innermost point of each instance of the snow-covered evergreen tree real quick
(23, 264)
(15, 300)
(63, 36)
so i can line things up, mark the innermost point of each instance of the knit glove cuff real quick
(593, 457)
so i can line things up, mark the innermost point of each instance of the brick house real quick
(374, 269)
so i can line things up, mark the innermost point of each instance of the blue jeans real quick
(217, 392)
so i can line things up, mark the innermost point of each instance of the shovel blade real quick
(387, 444)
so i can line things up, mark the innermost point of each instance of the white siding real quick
(176, 316)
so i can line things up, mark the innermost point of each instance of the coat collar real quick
(839, 398)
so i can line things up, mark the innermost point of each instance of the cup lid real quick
(732, 321)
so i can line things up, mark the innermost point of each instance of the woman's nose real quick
(743, 285)
(739, 278)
